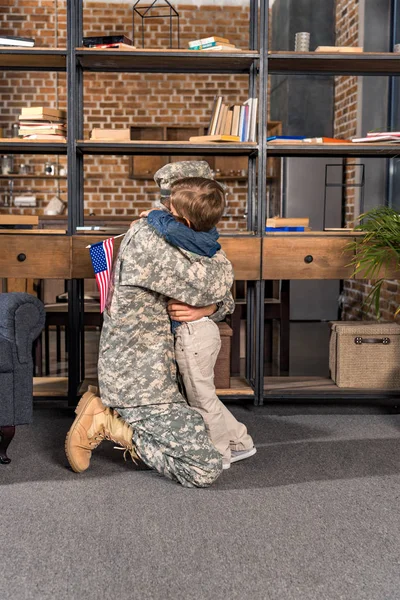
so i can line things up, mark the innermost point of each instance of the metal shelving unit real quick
(252, 62)
(257, 63)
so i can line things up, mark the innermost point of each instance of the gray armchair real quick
(22, 318)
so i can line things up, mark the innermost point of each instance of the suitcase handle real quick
(360, 340)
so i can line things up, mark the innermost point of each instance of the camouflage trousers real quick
(172, 439)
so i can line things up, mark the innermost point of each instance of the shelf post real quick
(75, 193)
(259, 341)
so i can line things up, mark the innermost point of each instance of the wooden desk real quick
(57, 256)
(304, 256)
(243, 252)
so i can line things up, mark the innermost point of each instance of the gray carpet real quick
(314, 515)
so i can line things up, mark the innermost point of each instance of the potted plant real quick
(378, 251)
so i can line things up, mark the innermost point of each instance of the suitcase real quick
(365, 354)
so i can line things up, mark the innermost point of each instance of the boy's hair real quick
(200, 200)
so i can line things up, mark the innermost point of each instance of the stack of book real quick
(287, 224)
(43, 124)
(100, 42)
(388, 137)
(238, 121)
(213, 44)
(12, 40)
(295, 139)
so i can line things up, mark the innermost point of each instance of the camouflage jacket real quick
(136, 357)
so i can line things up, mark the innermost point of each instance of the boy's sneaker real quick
(242, 454)
(226, 463)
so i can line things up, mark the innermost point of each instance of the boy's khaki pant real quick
(197, 346)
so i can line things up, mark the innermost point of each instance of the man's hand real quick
(178, 311)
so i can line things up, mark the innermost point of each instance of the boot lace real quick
(130, 451)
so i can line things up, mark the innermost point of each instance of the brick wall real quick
(121, 100)
(355, 292)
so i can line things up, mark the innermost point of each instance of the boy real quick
(195, 207)
(136, 367)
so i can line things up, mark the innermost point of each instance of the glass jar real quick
(7, 164)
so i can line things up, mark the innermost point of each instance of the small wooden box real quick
(222, 371)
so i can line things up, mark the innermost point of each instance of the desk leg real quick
(284, 358)
(236, 320)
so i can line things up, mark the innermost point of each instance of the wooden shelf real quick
(21, 146)
(305, 388)
(165, 61)
(57, 387)
(322, 234)
(314, 63)
(147, 148)
(33, 59)
(327, 150)
(32, 176)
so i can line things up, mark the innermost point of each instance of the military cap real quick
(170, 173)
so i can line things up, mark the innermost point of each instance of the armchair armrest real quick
(22, 318)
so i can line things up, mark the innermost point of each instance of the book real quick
(48, 130)
(339, 49)
(253, 121)
(203, 139)
(383, 133)
(13, 40)
(219, 49)
(276, 229)
(288, 222)
(42, 110)
(211, 45)
(247, 114)
(46, 137)
(221, 119)
(115, 135)
(119, 46)
(235, 120)
(228, 122)
(209, 40)
(325, 140)
(284, 138)
(393, 139)
(301, 141)
(241, 123)
(97, 40)
(213, 124)
(38, 119)
(213, 110)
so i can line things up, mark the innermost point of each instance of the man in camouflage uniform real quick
(136, 368)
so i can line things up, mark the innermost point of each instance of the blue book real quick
(285, 137)
(284, 229)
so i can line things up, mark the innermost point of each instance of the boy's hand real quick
(144, 214)
(178, 311)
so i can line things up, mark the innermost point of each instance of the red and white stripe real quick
(103, 278)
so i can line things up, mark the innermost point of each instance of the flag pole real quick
(114, 236)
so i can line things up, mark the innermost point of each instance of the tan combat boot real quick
(87, 431)
(93, 424)
(117, 430)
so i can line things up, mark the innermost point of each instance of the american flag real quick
(102, 255)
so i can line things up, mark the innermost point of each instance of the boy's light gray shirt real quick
(136, 358)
